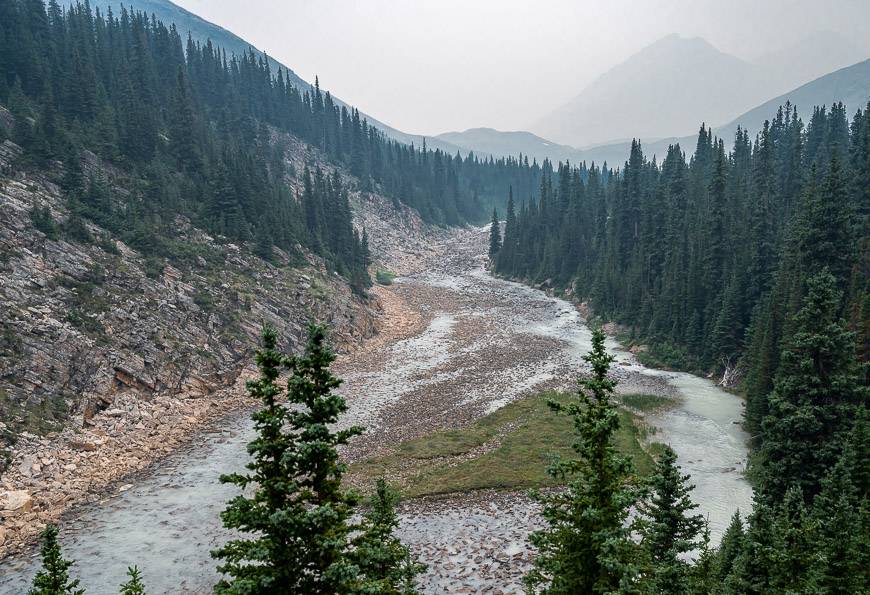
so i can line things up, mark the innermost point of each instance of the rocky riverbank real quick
(461, 344)
(110, 360)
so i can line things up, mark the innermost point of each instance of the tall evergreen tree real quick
(298, 516)
(53, 578)
(669, 530)
(586, 547)
(494, 236)
(385, 563)
(729, 548)
(816, 396)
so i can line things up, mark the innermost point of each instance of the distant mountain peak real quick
(637, 97)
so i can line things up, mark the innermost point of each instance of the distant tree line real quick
(708, 259)
(195, 130)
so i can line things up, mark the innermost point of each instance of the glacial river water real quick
(501, 338)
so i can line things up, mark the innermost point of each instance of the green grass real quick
(385, 277)
(646, 402)
(509, 449)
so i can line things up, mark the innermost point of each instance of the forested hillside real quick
(197, 131)
(752, 263)
(707, 257)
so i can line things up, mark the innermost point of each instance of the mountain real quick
(807, 59)
(202, 30)
(667, 88)
(488, 141)
(851, 85)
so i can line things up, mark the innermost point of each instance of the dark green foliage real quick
(296, 522)
(816, 396)
(53, 578)
(134, 586)
(494, 236)
(385, 564)
(729, 548)
(202, 134)
(43, 221)
(705, 256)
(77, 230)
(585, 547)
(668, 528)
(842, 521)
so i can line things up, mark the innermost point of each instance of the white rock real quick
(15, 502)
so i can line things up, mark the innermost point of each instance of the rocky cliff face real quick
(108, 359)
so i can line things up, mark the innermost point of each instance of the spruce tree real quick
(815, 398)
(134, 586)
(669, 530)
(842, 518)
(296, 522)
(702, 575)
(729, 548)
(53, 578)
(793, 533)
(586, 547)
(751, 570)
(385, 563)
(494, 236)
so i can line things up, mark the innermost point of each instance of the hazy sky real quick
(429, 66)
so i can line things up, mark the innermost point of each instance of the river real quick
(480, 342)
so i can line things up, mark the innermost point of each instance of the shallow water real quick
(169, 521)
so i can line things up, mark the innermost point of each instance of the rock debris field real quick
(457, 345)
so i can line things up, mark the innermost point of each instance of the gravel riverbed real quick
(458, 343)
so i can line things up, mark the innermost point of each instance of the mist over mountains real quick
(671, 86)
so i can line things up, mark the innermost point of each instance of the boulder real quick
(15, 502)
(83, 444)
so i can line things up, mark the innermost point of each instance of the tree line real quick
(199, 133)
(756, 259)
(708, 258)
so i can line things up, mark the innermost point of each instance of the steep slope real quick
(667, 88)
(851, 85)
(112, 358)
(202, 30)
(809, 58)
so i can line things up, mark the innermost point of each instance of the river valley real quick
(467, 343)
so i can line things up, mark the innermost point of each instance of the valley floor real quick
(457, 344)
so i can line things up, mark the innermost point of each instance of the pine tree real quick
(134, 586)
(793, 533)
(842, 563)
(668, 529)
(729, 548)
(702, 575)
(751, 570)
(494, 236)
(53, 578)
(385, 563)
(585, 547)
(298, 516)
(815, 398)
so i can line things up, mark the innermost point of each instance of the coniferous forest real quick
(752, 264)
(708, 258)
(199, 133)
(746, 261)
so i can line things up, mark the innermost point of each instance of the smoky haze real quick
(427, 67)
